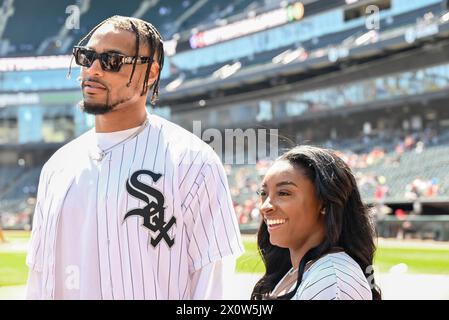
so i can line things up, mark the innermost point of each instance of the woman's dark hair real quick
(347, 221)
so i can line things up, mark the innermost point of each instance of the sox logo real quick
(154, 212)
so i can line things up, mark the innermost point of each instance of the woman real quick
(316, 238)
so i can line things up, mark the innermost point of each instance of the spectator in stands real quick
(421, 188)
(405, 226)
(381, 189)
(409, 142)
(313, 215)
(400, 214)
(419, 147)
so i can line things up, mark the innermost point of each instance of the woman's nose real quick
(266, 206)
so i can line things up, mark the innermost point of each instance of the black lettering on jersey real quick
(154, 212)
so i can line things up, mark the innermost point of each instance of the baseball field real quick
(420, 257)
(393, 256)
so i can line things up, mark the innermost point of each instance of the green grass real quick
(250, 261)
(423, 260)
(418, 260)
(13, 270)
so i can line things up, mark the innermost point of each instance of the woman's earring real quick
(323, 211)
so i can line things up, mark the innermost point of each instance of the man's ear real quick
(154, 72)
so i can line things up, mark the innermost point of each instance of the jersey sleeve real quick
(212, 282)
(335, 280)
(321, 287)
(210, 219)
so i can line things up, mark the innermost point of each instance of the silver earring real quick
(323, 211)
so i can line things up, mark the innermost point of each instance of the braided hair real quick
(145, 33)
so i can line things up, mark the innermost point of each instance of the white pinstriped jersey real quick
(148, 218)
(335, 276)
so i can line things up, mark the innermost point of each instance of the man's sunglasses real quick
(109, 61)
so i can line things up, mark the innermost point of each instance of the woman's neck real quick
(297, 253)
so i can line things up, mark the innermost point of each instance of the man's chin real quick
(95, 108)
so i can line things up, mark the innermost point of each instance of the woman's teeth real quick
(273, 222)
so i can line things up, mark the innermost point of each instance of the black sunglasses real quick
(109, 61)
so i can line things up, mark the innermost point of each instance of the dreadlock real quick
(136, 31)
(148, 33)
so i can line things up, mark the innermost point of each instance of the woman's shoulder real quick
(335, 276)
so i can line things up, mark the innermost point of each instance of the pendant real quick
(97, 156)
(101, 156)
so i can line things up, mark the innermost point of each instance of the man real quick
(136, 208)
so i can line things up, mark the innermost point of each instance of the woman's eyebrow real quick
(286, 183)
(282, 183)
